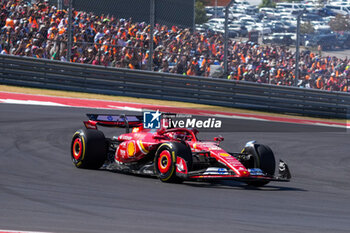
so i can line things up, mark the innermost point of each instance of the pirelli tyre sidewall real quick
(88, 149)
(165, 160)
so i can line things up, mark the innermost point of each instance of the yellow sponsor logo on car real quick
(131, 149)
(225, 154)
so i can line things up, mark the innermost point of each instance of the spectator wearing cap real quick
(231, 76)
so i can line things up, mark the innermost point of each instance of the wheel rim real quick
(164, 162)
(77, 148)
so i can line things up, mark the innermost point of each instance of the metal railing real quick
(43, 73)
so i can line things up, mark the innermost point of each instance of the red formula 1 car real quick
(172, 154)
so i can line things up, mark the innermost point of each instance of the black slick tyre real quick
(88, 149)
(265, 160)
(165, 160)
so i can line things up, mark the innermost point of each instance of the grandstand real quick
(40, 30)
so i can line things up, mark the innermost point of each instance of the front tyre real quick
(88, 149)
(165, 160)
(263, 159)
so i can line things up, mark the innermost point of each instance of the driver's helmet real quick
(180, 136)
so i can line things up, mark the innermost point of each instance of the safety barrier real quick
(44, 73)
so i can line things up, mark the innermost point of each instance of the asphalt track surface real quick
(41, 190)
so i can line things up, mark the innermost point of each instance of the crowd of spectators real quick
(40, 30)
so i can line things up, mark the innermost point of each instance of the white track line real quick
(32, 102)
(11, 231)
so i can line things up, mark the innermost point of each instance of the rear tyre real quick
(165, 160)
(88, 149)
(265, 160)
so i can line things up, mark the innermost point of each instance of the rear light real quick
(90, 124)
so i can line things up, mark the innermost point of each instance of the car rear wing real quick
(119, 121)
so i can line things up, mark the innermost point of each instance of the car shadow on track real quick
(224, 184)
(241, 186)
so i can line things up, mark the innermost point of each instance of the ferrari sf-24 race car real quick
(172, 154)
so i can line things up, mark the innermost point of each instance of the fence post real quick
(194, 16)
(152, 20)
(297, 49)
(59, 4)
(69, 33)
(226, 36)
